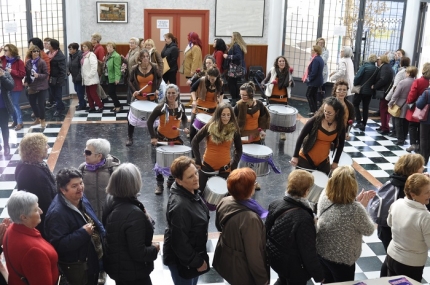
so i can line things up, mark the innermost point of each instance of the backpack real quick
(380, 205)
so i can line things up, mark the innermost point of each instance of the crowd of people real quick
(86, 222)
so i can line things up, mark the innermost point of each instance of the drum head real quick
(345, 159)
(256, 149)
(204, 118)
(282, 109)
(320, 178)
(173, 149)
(143, 105)
(217, 185)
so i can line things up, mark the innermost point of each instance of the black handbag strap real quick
(370, 77)
(325, 210)
(22, 277)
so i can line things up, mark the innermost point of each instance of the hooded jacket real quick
(240, 255)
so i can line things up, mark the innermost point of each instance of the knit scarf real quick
(83, 57)
(226, 134)
(53, 53)
(10, 61)
(305, 75)
(94, 167)
(34, 63)
(255, 207)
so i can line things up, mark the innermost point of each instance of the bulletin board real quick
(243, 16)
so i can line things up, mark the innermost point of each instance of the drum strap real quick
(164, 139)
(208, 110)
(215, 172)
(279, 96)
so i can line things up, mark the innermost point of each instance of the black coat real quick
(187, 228)
(171, 51)
(75, 66)
(128, 253)
(383, 78)
(39, 180)
(364, 75)
(295, 236)
(58, 68)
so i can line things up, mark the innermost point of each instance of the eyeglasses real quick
(89, 152)
(34, 51)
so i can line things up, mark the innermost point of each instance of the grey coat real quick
(96, 181)
(401, 94)
(7, 84)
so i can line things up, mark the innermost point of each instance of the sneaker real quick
(257, 186)
(13, 125)
(159, 190)
(411, 148)
(50, 105)
(19, 127)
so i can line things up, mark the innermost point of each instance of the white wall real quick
(411, 22)
(121, 33)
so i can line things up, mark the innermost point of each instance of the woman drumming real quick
(220, 132)
(319, 132)
(140, 77)
(205, 94)
(208, 63)
(252, 117)
(171, 114)
(279, 92)
(340, 89)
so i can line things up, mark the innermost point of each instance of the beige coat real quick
(193, 60)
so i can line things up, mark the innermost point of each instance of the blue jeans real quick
(58, 96)
(17, 116)
(80, 91)
(178, 280)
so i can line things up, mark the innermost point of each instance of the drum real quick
(320, 182)
(345, 159)
(282, 118)
(166, 154)
(216, 189)
(142, 109)
(256, 152)
(201, 120)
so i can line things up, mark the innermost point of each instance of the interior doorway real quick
(180, 23)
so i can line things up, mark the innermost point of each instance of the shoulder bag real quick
(395, 110)
(166, 66)
(357, 88)
(235, 70)
(422, 114)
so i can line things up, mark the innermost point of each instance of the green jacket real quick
(114, 67)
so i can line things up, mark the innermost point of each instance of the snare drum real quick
(201, 120)
(345, 159)
(140, 112)
(166, 154)
(258, 151)
(282, 118)
(216, 189)
(320, 182)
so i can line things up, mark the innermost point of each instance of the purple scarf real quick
(34, 63)
(255, 207)
(94, 167)
(10, 61)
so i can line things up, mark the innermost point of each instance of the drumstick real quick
(146, 94)
(149, 83)
(176, 128)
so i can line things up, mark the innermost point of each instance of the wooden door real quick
(180, 23)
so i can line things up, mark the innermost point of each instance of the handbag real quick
(395, 110)
(166, 66)
(235, 70)
(75, 272)
(357, 88)
(422, 114)
(53, 81)
(187, 272)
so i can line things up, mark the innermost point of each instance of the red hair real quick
(241, 183)
(195, 40)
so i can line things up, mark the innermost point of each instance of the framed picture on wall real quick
(112, 12)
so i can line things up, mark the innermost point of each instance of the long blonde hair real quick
(237, 39)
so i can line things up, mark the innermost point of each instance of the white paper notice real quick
(162, 24)
(162, 33)
(339, 30)
(10, 27)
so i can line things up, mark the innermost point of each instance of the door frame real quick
(177, 13)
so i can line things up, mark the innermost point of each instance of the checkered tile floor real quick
(374, 152)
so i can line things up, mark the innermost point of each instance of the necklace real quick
(329, 124)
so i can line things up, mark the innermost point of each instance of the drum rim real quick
(254, 146)
(159, 148)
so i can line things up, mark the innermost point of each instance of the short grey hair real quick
(20, 203)
(125, 181)
(347, 51)
(100, 146)
(136, 40)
